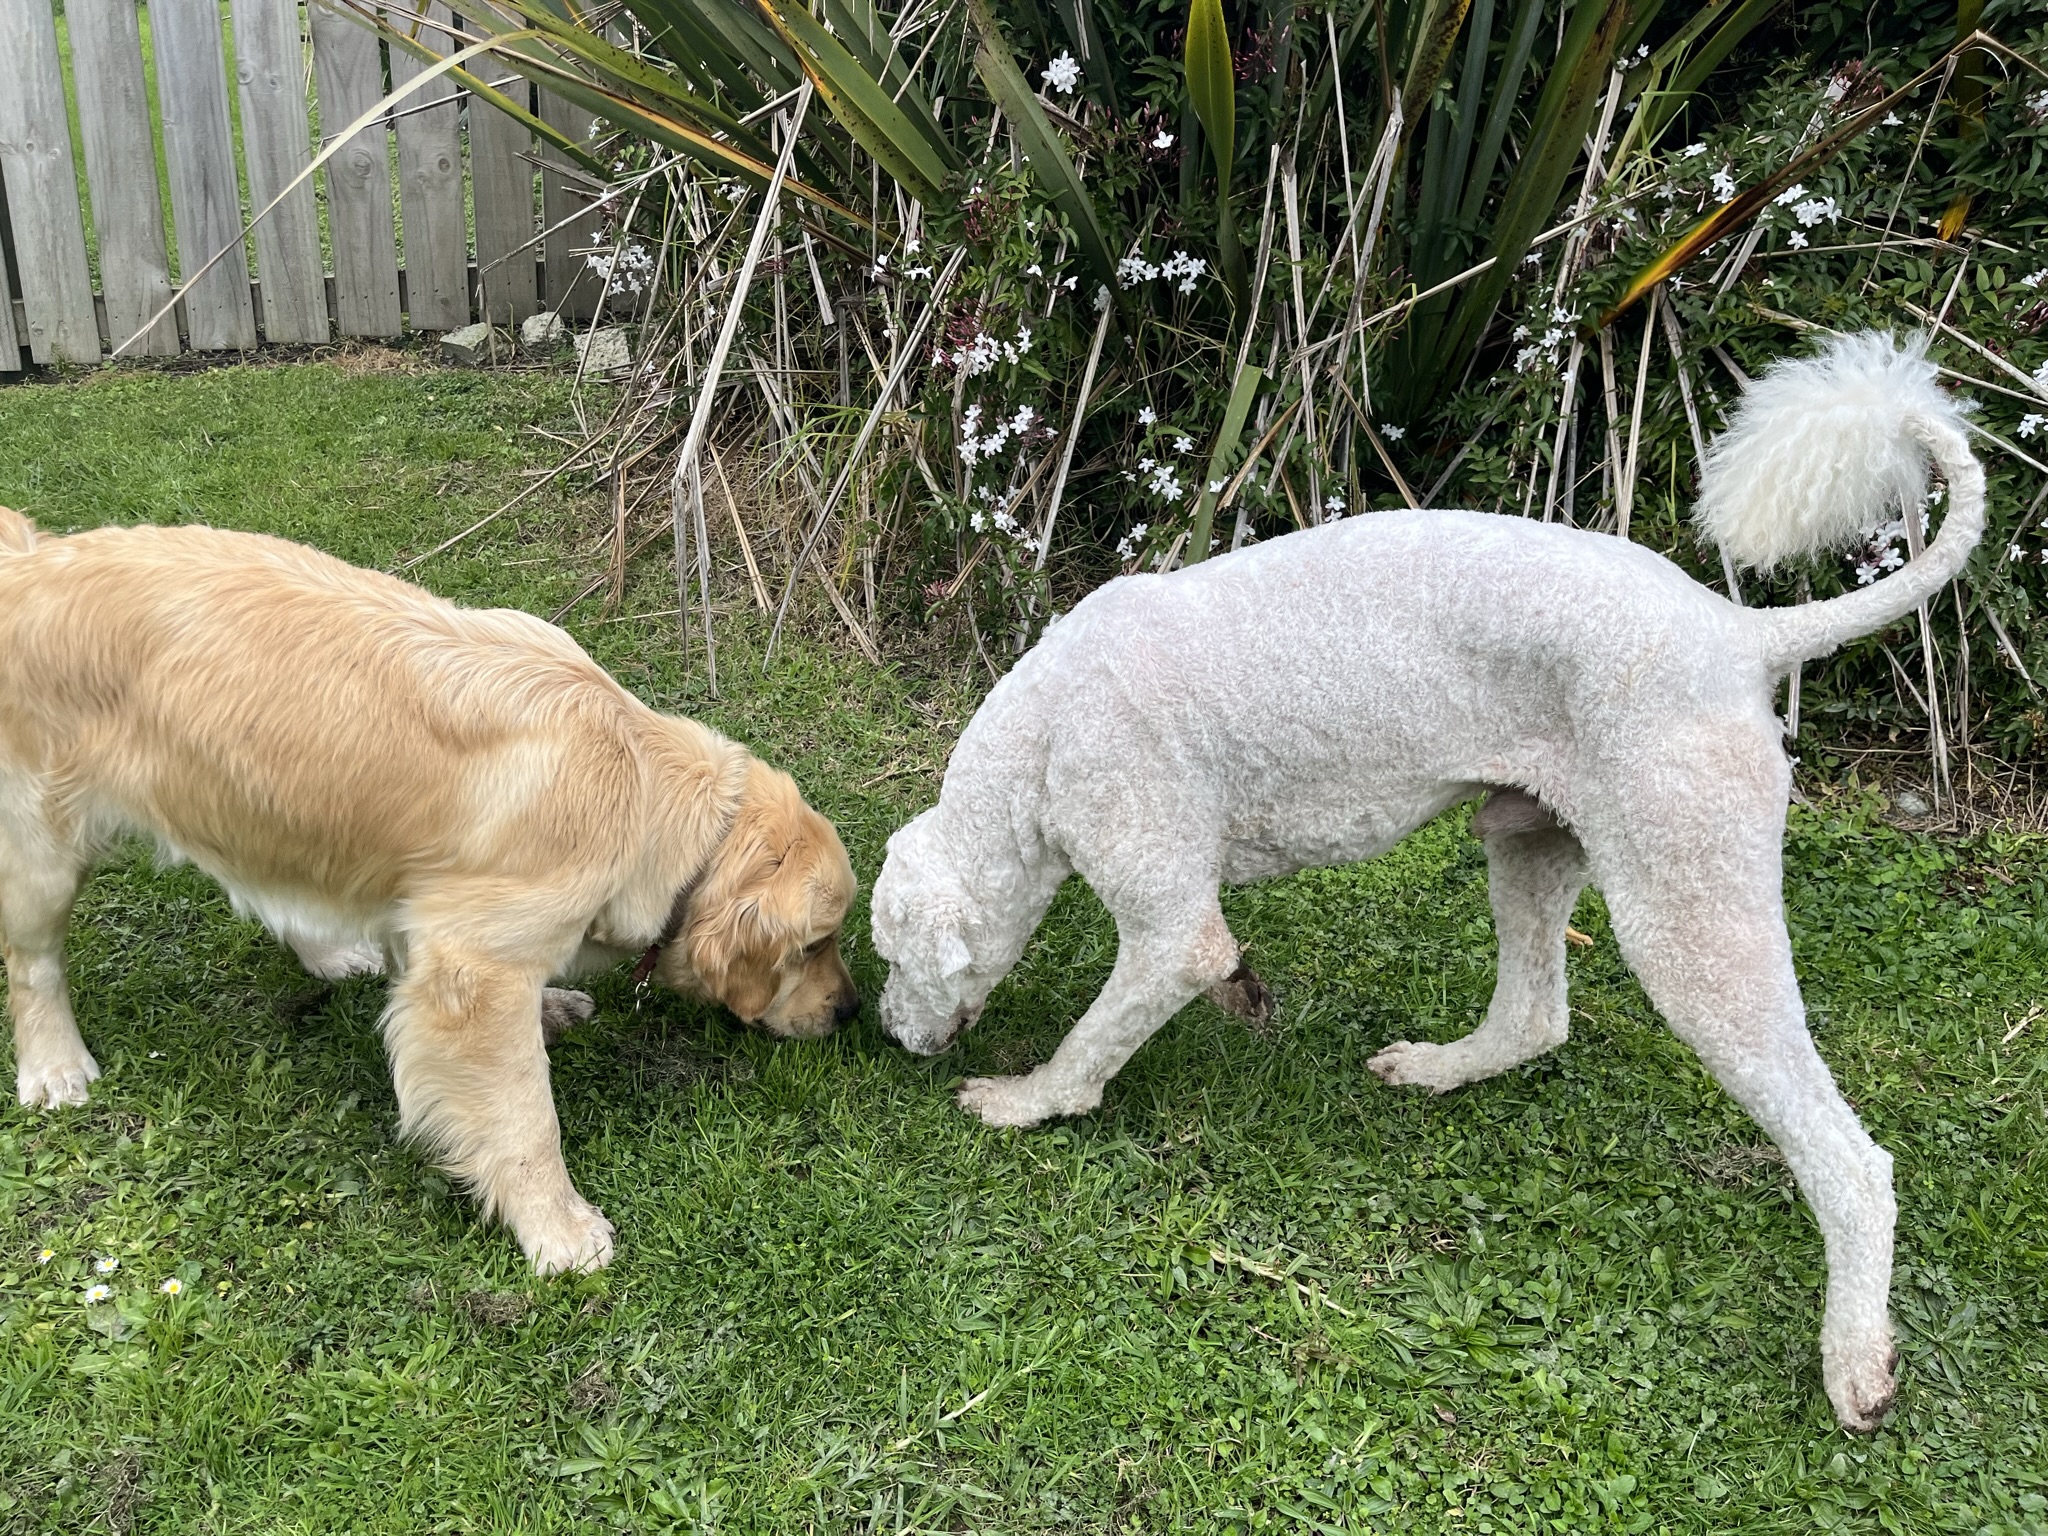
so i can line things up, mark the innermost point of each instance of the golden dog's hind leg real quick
(39, 880)
(464, 1034)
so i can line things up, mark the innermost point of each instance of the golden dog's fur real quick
(461, 797)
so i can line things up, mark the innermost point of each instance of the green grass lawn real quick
(1256, 1291)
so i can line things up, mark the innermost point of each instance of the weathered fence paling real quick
(401, 257)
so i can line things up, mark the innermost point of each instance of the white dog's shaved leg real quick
(39, 879)
(1159, 969)
(1535, 871)
(1706, 936)
(464, 1033)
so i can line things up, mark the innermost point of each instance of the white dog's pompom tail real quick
(17, 533)
(1823, 451)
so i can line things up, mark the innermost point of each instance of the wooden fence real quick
(445, 207)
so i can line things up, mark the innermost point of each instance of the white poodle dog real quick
(1312, 700)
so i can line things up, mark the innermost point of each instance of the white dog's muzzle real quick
(922, 1039)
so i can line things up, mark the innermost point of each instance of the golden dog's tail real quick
(17, 533)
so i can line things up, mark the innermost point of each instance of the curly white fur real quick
(1311, 700)
(1821, 450)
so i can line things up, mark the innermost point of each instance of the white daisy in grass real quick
(107, 1265)
(46, 1255)
(95, 1293)
(173, 1286)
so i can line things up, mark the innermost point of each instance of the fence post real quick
(351, 76)
(430, 183)
(120, 163)
(276, 145)
(572, 286)
(501, 178)
(42, 188)
(206, 195)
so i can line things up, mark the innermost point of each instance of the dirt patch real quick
(592, 1392)
(494, 1309)
(1738, 1165)
(122, 1480)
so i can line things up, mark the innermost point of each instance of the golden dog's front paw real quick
(577, 1238)
(54, 1084)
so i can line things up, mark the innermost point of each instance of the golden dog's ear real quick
(751, 908)
(748, 981)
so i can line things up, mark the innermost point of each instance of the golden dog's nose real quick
(849, 1007)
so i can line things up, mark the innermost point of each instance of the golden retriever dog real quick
(462, 798)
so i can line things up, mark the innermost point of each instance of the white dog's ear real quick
(953, 955)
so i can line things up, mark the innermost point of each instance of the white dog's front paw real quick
(54, 1084)
(1417, 1064)
(575, 1237)
(1019, 1102)
(561, 1010)
(1861, 1383)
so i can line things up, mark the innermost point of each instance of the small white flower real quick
(1133, 270)
(1724, 184)
(1643, 52)
(2034, 279)
(1146, 415)
(172, 1287)
(1164, 141)
(913, 247)
(1796, 240)
(1393, 434)
(1183, 444)
(1062, 74)
(2014, 552)
(1333, 504)
(1101, 297)
(1790, 195)
(1814, 209)
(2032, 423)
(1693, 151)
(46, 1255)
(95, 1293)
(1034, 270)
(107, 1265)
(1891, 120)
(977, 522)
(1865, 574)
(1215, 487)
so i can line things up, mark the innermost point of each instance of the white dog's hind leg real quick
(1535, 871)
(471, 1070)
(1713, 955)
(1159, 969)
(39, 879)
(561, 1010)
